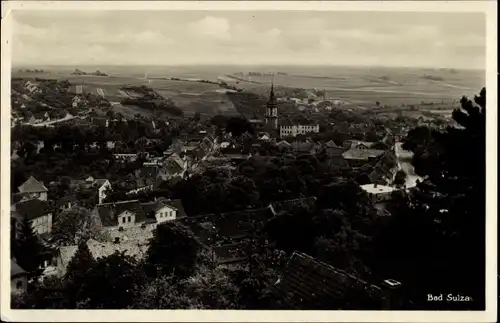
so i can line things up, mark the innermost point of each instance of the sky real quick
(410, 39)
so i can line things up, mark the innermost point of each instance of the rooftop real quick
(361, 154)
(32, 185)
(15, 269)
(32, 209)
(378, 189)
(308, 283)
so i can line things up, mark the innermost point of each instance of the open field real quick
(358, 87)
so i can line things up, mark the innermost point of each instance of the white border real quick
(488, 7)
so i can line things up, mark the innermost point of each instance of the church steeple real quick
(272, 109)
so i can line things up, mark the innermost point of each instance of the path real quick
(404, 163)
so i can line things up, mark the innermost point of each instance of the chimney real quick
(375, 185)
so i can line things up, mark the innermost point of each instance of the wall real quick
(42, 224)
(124, 216)
(102, 191)
(165, 214)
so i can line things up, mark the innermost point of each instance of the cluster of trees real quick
(432, 243)
(435, 243)
(257, 182)
(69, 151)
(176, 272)
(152, 100)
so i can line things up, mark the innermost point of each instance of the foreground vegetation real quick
(433, 242)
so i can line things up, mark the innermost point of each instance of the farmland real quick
(432, 90)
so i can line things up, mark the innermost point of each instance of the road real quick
(404, 163)
(52, 122)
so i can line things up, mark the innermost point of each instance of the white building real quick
(379, 193)
(295, 130)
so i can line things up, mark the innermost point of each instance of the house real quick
(290, 129)
(358, 157)
(65, 203)
(307, 283)
(99, 185)
(120, 214)
(33, 189)
(357, 144)
(102, 185)
(379, 193)
(284, 145)
(163, 210)
(37, 212)
(18, 279)
(385, 169)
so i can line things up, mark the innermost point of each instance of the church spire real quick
(272, 97)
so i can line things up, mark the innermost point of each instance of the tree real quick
(76, 272)
(29, 250)
(76, 225)
(173, 250)
(113, 282)
(212, 288)
(438, 233)
(164, 293)
(238, 126)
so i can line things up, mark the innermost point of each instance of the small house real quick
(33, 189)
(18, 279)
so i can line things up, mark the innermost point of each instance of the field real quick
(433, 90)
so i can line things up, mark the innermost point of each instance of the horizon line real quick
(242, 65)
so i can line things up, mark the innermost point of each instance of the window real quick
(129, 219)
(123, 220)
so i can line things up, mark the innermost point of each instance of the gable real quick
(126, 213)
(165, 208)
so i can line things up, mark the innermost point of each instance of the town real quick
(260, 198)
(260, 161)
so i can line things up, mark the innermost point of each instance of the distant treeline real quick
(96, 73)
(30, 71)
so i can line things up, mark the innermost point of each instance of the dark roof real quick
(32, 186)
(288, 205)
(331, 144)
(231, 225)
(15, 269)
(32, 209)
(362, 154)
(230, 253)
(109, 212)
(307, 283)
(99, 182)
(178, 205)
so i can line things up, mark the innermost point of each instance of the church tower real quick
(272, 110)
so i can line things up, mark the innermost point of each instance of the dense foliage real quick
(432, 243)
